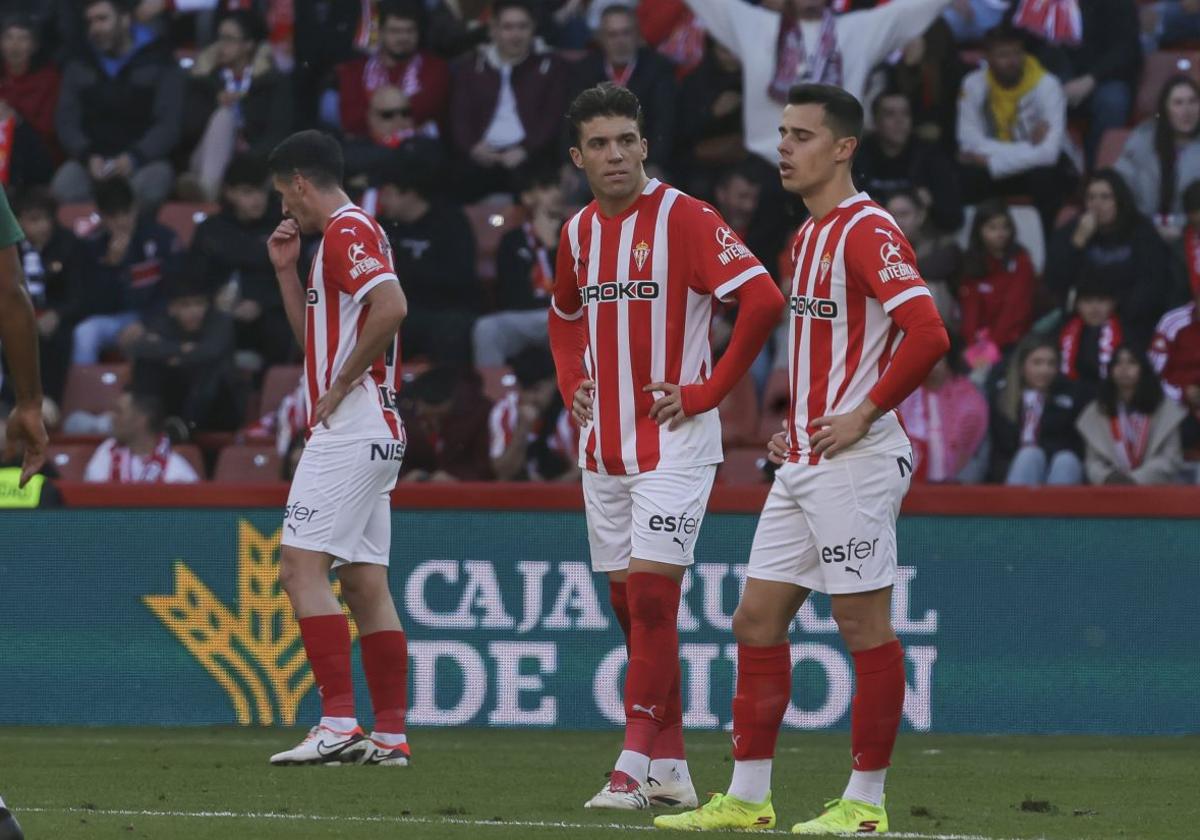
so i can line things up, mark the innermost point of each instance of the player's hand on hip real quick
(581, 406)
(669, 407)
(836, 432)
(777, 447)
(330, 401)
(283, 245)
(25, 425)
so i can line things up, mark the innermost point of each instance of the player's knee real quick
(294, 577)
(753, 627)
(859, 627)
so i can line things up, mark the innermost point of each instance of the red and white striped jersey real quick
(644, 283)
(502, 422)
(852, 268)
(354, 258)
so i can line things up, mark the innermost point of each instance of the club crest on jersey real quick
(641, 253)
(822, 309)
(361, 261)
(731, 247)
(826, 262)
(609, 292)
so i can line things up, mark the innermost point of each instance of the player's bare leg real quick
(385, 660)
(670, 780)
(653, 592)
(304, 576)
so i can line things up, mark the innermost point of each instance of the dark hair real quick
(403, 9)
(843, 112)
(253, 27)
(184, 279)
(536, 177)
(1127, 212)
(311, 153)
(407, 169)
(747, 169)
(36, 199)
(1095, 284)
(113, 195)
(618, 9)
(603, 100)
(150, 406)
(1164, 140)
(532, 366)
(888, 93)
(1147, 396)
(246, 170)
(975, 262)
(20, 20)
(954, 354)
(1003, 33)
(501, 6)
(1191, 197)
(435, 386)
(122, 7)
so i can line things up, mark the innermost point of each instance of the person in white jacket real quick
(1012, 122)
(806, 43)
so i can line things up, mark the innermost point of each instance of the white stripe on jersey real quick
(659, 274)
(625, 390)
(593, 279)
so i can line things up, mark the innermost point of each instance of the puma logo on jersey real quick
(609, 292)
(646, 711)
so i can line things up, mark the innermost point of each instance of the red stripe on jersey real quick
(333, 326)
(608, 375)
(856, 322)
(799, 286)
(641, 339)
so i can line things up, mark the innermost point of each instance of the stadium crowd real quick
(1042, 157)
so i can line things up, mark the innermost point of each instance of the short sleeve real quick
(357, 258)
(10, 231)
(881, 261)
(721, 262)
(566, 301)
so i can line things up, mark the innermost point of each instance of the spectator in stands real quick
(1033, 412)
(1162, 155)
(390, 123)
(995, 297)
(939, 258)
(1093, 48)
(671, 28)
(1169, 22)
(1131, 432)
(185, 356)
(1012, 118)
(446, 418)
(434, 251)
(1090, 337)
(929, 73)
(970, 20)
(457, 26)
(506, 103)
(1111, 233)
(624, 62)
(120, 109)
(709, 135)
(123, 264)
(229, 249)
(891, 158)
(51, 257)
(28, 96)
(139, 452)
(525, 263)
(947, 421)
(1175, 352)
(532, 437)
(811, 44)
(237, 101)
(421, 76)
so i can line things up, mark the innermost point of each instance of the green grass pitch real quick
(187, 784)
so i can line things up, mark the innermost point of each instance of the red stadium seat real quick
(70, 459)
(80, 219)
(191, 453)
(278, 382)
(1158, 67)
(93, 388)
(243, 464)
(497, 382)
(739, 415)
(489, 223)
(775, 404)
(743, 465)
(1111, 144)
(183, 216)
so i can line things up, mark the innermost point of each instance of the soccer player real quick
(338, 513)
(637, 272)
(829, 523)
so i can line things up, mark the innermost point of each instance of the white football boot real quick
(320, 746)
(621, 792)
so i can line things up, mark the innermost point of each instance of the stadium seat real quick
(1029, 232)
(489, 223)
(93, 388)
(80, 219)
(775, 404)
(278, 382)
(1158, 67)
(739, 415)
(1111, 144)
(244, 464)
(192, 454)
(183, 216)
(743, 465)
(497, 382)
(70, 459)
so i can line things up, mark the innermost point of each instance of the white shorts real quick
(831, 526)
(340, 499)
(653, 515)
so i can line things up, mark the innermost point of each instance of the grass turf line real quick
(187, 784)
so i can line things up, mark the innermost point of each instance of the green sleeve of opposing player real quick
(10, 231)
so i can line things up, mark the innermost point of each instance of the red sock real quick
(669, 741)
(878, 703)
(653, 659)
(327, 645)
(764, 688)
(385, 659)
(620, 605)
